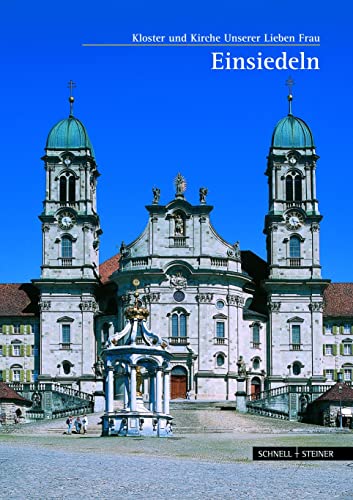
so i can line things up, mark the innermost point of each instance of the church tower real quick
(294, 286)
(70, 236)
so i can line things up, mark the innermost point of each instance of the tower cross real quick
(71, 85)
(290, 82)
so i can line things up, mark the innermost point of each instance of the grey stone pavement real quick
(40, 462)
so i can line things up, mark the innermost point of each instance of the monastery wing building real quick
(218, 305)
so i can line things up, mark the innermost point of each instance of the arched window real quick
(63, 189)
(72, 188)
(179, 328)
(297, 368)
(67, 367)
(66, 247)
(67, 185)
(220, 360)
(256, 364)
(294, 247)
(293, 187)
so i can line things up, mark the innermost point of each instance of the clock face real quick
(66, 220)
(294, 220)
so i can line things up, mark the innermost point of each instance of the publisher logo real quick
(302, 453)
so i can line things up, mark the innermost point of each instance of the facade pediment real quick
(65, 319)
(295, 319)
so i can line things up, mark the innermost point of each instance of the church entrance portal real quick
(255, 387)
(179, 380)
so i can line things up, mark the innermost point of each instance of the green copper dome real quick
(292, 132)
(69, 134)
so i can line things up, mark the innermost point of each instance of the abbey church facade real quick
(219, 307)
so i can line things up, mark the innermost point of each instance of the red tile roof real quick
(338, 299)
(18, 299)
(107, 267)
(333, 394)
(8, 394)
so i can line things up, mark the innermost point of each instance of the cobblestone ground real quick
(40, 462)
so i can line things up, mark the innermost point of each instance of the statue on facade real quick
(236, 250)
(179, 225)
(123, 249)
(203, 194)
(241, 367)
(156, 195)
(98, 367)
(180, 185)
(178, 281)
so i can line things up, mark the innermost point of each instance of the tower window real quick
(62, 189)
(66, 247)
(220, 329)
(293, 187)
(71, 188)
(295, 336)
(294, 247)
(66, 334)
(67, 185)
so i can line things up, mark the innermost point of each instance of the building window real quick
(179, 296)
(329, 350)
(67, 188)
(347, 374)
(256, 335)
(297, 368)
(66, 334)
(347, 349)
(328, 329)
(219, 304)
(67, 367)
(66, 247)
(347, 328)
(295, 337)
(15, 373)
(329, 375)
(293, 187)
(220, 329)
(220, 360)
(256, 364)
(294, 247)
(0, 350)
(16, 349)
(179, 324)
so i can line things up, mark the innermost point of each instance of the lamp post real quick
(340, 393)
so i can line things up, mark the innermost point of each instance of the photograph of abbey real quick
(224, 311)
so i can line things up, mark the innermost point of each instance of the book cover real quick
(183, 109)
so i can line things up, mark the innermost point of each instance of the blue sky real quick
(151, 112)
